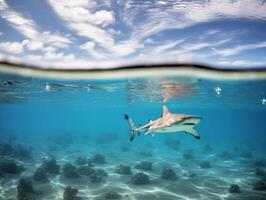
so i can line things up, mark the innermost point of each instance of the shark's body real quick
(167, 123)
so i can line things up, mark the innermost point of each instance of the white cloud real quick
(161, 49)
(238, 49)
(79, 16)
(25, 26)
(89, 47)
(103, 17)
(49, 49)
(33, 45)
(31, 30)
(56, 39)
(52, 57)
(182, 14)
(201, 45)
(211, 10)
(212, 32)
(58, 56)
(13, 47)
(126, 48)
(241, 63)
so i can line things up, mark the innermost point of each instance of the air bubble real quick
(263, 101)
(47, 88)
(218, 90)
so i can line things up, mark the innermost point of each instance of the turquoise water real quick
(43, 120)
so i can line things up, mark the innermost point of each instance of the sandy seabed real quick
(202, 173)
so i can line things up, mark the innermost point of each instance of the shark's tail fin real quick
(132, 127)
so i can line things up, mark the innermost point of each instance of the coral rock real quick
(50, 166)
(123, 169)
(169, 174)
(25, 190)
(70, 193)
(40, 175)
(6, 150)
(98, 158)
(81, 160)
(144, 165)
(112, 195)
(259, 185)
(10, 166)
(234, 188)
(205, 165)
(97, 176)
(70, 171)
(140, 179)
(188, 155)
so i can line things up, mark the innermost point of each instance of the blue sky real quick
(87, 33)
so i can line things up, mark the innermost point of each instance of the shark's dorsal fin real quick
(165, 110)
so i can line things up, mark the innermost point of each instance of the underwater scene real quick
(159, 138)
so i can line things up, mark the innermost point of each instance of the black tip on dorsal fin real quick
(126, 117)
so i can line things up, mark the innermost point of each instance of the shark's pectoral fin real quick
(148, 132)
(193, 132)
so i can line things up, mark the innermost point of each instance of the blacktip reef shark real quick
(167, 123)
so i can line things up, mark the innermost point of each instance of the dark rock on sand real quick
(144, 165)
(192, 175)
(188, 155)
(207, 148)
(123, 169)
(64, 141)
(124, 149)
(90, 163)
(6, 150)
(225, 156)
(85, 170)
(70, 171)
(101, 172)
(260, 172)
(140, 179)
(145, 154)
(50, 166)
(107, 138)
(234, 188)
(260, 163)
(2, 175)
(259, 185)
(25, 189)
(23, 152)
(112, 195)
(168, 174)
(205, 165)
(97, 176)
(81, 160)
(70, 193)
(172, 143)
(40, 175)
(246, 154)
(10, 166)
(98, 158)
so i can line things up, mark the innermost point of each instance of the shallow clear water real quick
(41, 119)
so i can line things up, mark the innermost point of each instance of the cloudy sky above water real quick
(88, 33)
